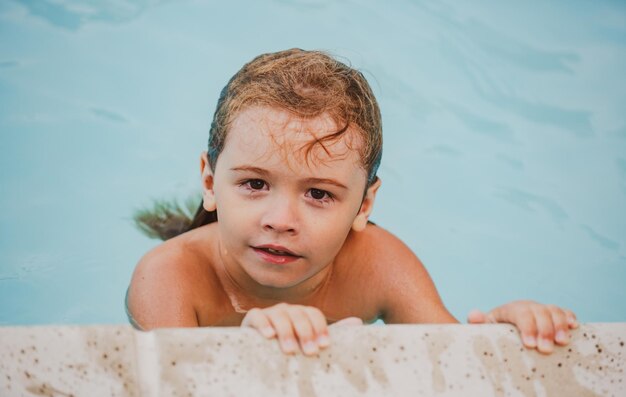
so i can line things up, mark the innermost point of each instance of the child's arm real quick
(405, 293)
(413, 299)
(156, 296)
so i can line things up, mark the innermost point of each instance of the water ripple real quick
(515, 163)
(482, 125)
(478, 37)
(600, 239)
(72, 14)
(109, 115)
(498, 44)
(620, 132)
(8, 64)
(577, 122)
(445, 150)
(529, 201)
(621, 166)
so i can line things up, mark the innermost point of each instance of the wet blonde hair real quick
(308, 84)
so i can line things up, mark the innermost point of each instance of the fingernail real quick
(289, 346)
(323, 340)
(530, 341)
(545, 345)
(562, 337)
(310, 348)
(268, 332)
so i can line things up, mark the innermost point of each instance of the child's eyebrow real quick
(249, 168)
(312, 180)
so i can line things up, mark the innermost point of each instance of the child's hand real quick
(539, 325)
(293, 325)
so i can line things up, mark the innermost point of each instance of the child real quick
(281, 241)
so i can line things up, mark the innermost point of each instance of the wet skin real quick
(292, 250)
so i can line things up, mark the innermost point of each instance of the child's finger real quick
(476, 317)
(545, 329)
(525, 322)
(318, 322)
(559, 319)
(303, 329)
(508, 313)
(572, 321)
(255, 318)
(348, 321)
(281, 322)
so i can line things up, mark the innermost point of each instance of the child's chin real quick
(278, 282)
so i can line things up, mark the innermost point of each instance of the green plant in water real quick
(167, 218)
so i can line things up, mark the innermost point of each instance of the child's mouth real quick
(277, 255)
(276, 252)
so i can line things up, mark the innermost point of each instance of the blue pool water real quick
(505, 139)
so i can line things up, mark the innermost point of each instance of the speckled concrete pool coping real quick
(403, 360)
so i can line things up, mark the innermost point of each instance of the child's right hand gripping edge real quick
(297, 327)
(541, 326)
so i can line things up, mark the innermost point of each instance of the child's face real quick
(269, 196)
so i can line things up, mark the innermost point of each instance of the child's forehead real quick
(281, 125)
(267, 134)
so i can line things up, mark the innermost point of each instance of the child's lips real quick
(275, 254)
(276, 249)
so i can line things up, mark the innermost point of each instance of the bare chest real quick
(337, 301)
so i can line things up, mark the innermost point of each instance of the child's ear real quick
(208, 195)
(367, 206)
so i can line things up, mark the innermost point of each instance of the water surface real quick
(504, 162)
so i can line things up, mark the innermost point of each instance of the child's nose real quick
(281, 216)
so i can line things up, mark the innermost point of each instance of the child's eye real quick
(255, 184)
(319, 195)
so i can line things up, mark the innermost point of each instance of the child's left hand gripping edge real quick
(295, 326)
(540, 325)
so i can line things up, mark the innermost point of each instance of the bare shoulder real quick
(167, 281)
(406, 292)
(383, 253)
(380, 243)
